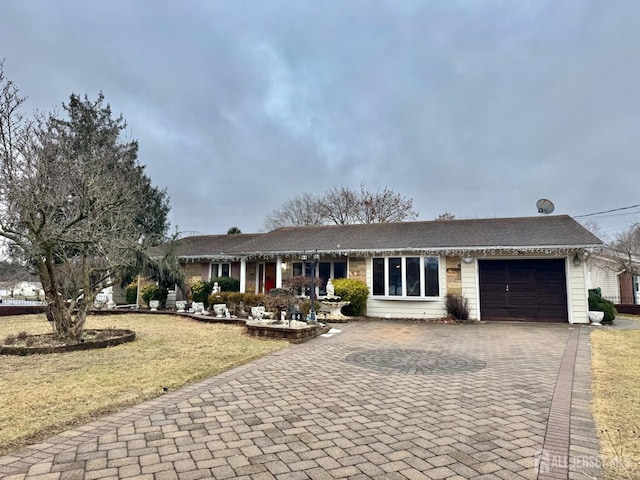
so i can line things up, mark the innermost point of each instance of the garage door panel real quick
(495, 314)
(521, 277)
(551, 314)
(524, 313)
(516, 301)
(550, 277)
(495, 288)
(550, 300)
(494, 277)
(549, 288)
(498, 299)
(531, 290)
(520, 288)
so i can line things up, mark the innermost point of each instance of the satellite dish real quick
(544, 206)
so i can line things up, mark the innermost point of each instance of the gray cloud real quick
(474, 107)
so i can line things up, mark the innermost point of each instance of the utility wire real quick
(606, 211)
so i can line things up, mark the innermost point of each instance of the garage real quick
(523, 290)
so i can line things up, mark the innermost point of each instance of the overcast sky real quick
(478, 108)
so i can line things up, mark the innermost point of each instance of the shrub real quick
(239, 304)
(131, 293)
(354, 291)
(154, 292)
(235, 301)
(201, 291)
(10, 340)
(457, 306)
(226, 284)
(280, 299)
(599, 304)
(305, 307)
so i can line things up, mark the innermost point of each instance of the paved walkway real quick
(379, 400)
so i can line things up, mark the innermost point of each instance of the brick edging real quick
(553, 460)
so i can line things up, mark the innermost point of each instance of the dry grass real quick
(42, 395)
(616, 400)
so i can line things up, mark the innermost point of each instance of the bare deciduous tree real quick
(385, 206)
(301, 210)
(74, 201)
(341, 206)
(445, 216)
(626, 249)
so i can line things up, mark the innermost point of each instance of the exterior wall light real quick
(576, 260)
(467, 260)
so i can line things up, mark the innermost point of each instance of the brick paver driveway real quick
(378, 400)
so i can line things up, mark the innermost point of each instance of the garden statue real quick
(330, 289)
(333, 303)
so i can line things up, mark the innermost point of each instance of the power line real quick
(606, 211)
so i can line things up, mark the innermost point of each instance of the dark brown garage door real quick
(523, 290)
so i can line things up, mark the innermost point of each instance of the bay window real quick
(406, 277)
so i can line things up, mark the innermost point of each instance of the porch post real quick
(279, 272)
(243, 275)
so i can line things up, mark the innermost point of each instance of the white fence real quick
(21, 303)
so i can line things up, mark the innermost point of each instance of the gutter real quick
(368, 252)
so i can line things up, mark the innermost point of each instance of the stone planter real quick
(596, 317)
(198, 308)
(154, 305)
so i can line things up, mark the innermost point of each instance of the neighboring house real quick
(27, 289)
(608, 270)
(522, 269)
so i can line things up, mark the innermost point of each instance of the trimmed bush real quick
(201, 291)
(599, 304)
(154, 292)
(354, 291)
(239, 304)
(131, 293)
(305, 307)
(226, 284)
(457, 306)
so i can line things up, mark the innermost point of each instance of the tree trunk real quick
(59, 314)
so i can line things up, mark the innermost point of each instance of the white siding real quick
(603, 274)
(470, 286)
(577, 293)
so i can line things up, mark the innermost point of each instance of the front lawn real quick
(41, 395)
(616, 400)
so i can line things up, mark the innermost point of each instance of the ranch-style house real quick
(515, 269)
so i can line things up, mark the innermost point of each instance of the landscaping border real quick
(127, 336)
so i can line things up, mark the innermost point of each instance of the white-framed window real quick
(220, 270)
(406, 277)
(331, 270)
(325, 270)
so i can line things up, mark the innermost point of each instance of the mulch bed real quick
(24, 344)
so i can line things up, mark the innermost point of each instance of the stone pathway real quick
(380, 400)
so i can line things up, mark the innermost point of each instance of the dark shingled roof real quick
(557, 231)
(212, 245)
